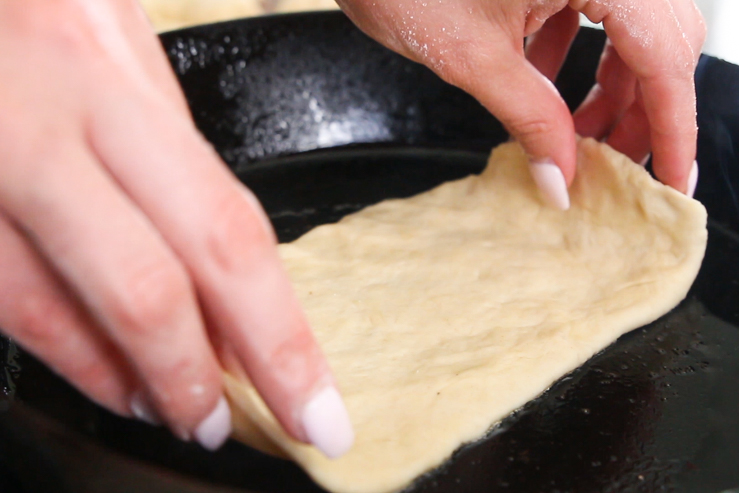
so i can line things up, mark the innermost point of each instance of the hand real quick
(644, 99)
(131, 261)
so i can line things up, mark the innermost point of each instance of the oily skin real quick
(135, 295)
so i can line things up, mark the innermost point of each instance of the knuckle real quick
(26, 147)
(171, 382)
(93, 376)
(154, 295)
(185, 392)
(594, 11)
(239, 233)
(30, 151)
(74, 35)
(49, 328)
(296, 355)
(42, 321)
(532, 127)
(40, 21)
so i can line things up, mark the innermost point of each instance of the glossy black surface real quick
(657, 411)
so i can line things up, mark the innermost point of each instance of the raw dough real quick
(166, 15)
(442, 313)
(305, 5)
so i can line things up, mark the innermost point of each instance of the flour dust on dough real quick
(442, 313)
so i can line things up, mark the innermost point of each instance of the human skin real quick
(141, 298)
(644, 98)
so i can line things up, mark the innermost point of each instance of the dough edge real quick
(258, 427)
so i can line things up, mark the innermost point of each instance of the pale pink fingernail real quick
(214, 430)
(327, 425)
(693, 179)
(551, 183)
(143, 411)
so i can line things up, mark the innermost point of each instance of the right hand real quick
(644, 99)
(131, 261)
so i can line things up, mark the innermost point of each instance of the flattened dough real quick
(442, 313)
(285, 6)
(166, 15)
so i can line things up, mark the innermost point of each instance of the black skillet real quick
(319, 121)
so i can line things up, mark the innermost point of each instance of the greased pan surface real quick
(321, 121)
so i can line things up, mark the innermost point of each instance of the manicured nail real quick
(551, 183)
(326, 423)
(143, 411)
(214, 430)
(693, 179)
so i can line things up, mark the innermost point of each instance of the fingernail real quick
(693, 179)
(551, 183)
(326, 423)
(143, 411)
(214, 430)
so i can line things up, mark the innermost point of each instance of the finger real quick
(547, 49)
(662, 58)
(529, 106)
(692, 23)
(221, 233)
(631, 136)
(609, 99)
(126, 276)
(125, 34)
(673, 132)
(693, 26)
(37, 311)
(150, 52)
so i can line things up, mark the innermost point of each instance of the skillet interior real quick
(657, 410)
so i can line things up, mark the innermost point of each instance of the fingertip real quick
(142, 410)
(693, 179)
(327, 425)
(215, 429)
(551, 183)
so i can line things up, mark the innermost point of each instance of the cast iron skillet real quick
(320, 121)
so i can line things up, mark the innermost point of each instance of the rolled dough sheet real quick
(442, 313)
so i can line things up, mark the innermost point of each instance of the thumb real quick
(530, 108)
